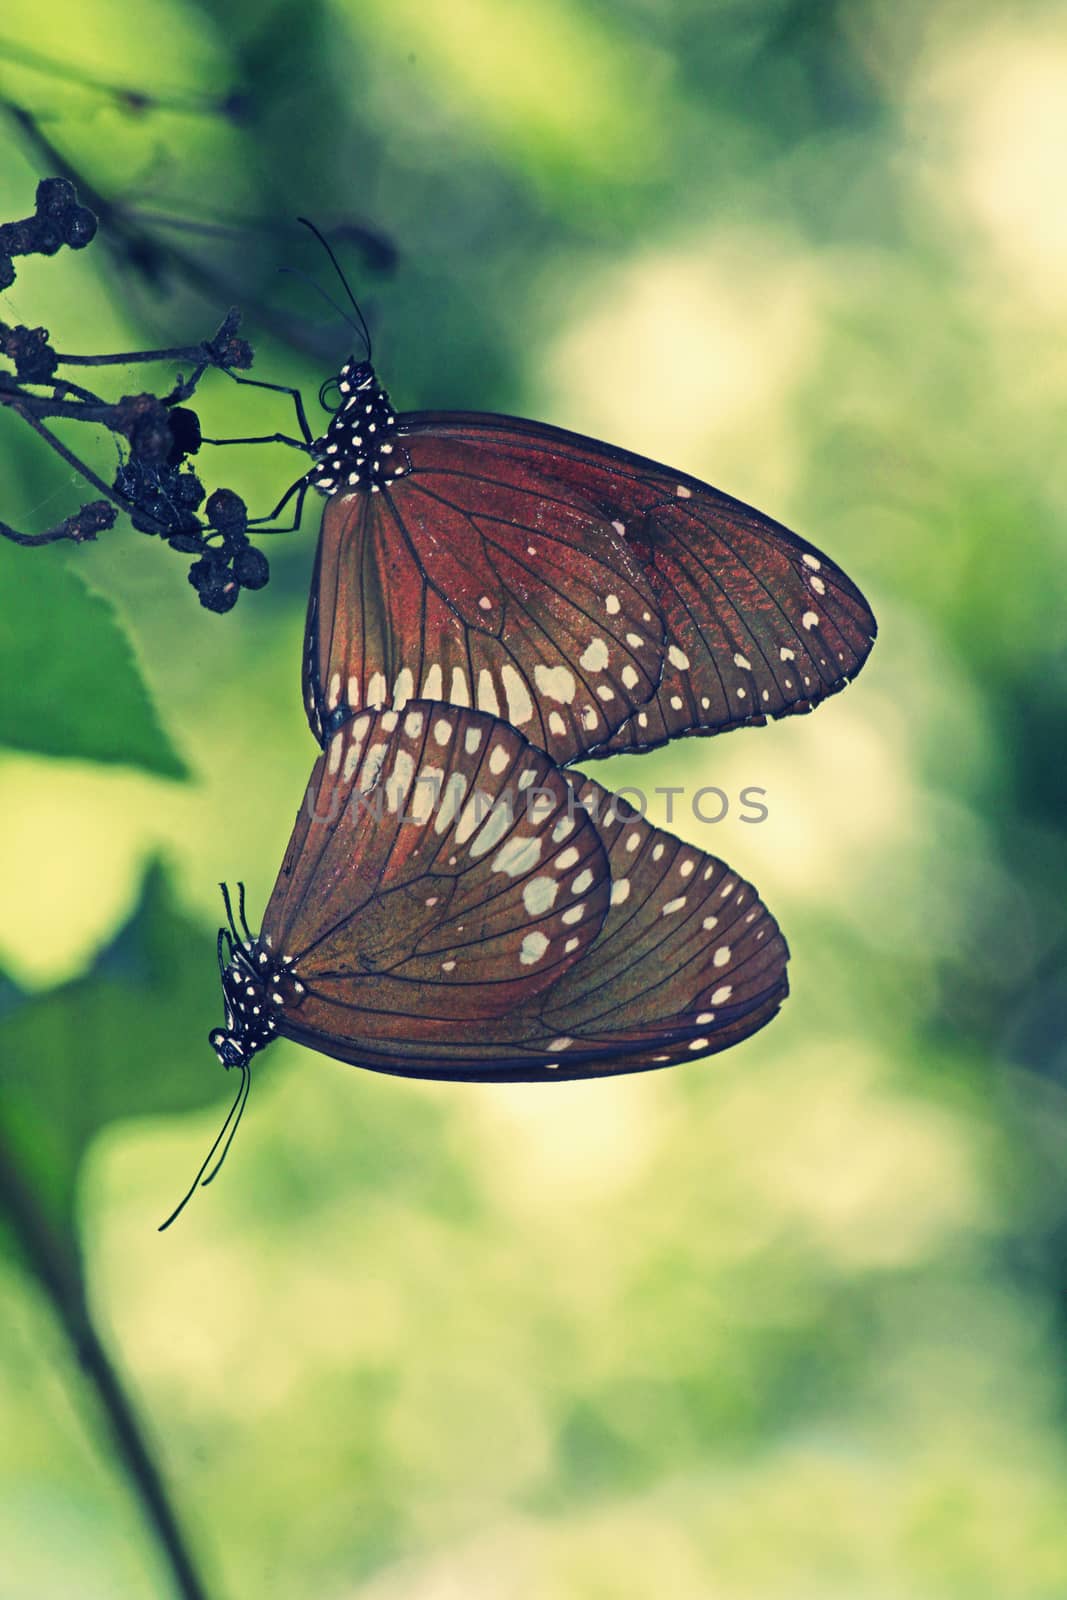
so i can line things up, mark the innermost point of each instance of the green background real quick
(785, 1325)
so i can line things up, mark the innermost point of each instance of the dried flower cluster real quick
(157, 433)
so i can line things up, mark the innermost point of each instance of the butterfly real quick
(453, 905)
(598, 601)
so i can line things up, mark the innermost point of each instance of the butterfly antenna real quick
(249, 935)
(295, 272)
(344, 282)
(242, 1095)
(229, 912)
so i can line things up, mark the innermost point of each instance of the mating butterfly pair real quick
(491, 600)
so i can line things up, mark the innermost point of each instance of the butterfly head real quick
(229, 1047)
(359, 448)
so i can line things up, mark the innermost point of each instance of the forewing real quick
(473, 580)
(439, 874)
(758, 622)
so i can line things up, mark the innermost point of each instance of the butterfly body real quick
(358, 451)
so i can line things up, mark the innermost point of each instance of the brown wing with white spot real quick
(439, 875)
(758, 622)
(454, 907)
(472, 580)
(688, 961)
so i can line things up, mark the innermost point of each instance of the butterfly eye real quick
(227, 1047)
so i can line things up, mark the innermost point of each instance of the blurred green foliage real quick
(785, 1324)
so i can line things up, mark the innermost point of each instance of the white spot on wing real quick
(492, 831)
(423, 801)
(396, 789)
(520, 706)
(376, 689)
(450, 801)
(372, 766)
(433, 688)
(460, 694)
(555, 682)
(475, 812)
(487, 700)
(539, 895)
(678, 658)
(594, 658)
(533, 948)
(517, 856)
(403, 688)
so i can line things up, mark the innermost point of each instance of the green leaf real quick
(126, 1039)
(72, 684)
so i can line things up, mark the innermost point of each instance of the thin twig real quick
(82, 527)
(57, 1270)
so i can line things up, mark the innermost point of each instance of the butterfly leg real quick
(300, 489)
(298, 406)
(259, 438)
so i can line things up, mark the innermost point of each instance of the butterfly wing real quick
(687, 962)
(456, 908)
(758, 622)
(438, 875)
(473, 580)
